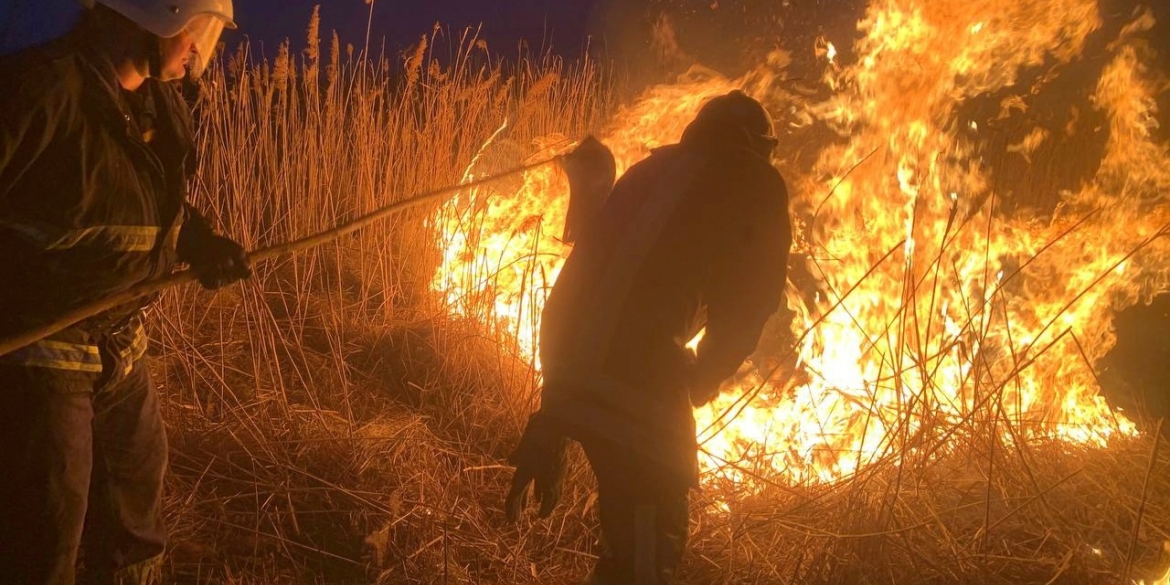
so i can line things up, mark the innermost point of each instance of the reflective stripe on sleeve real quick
(120, 238)
(57, 355)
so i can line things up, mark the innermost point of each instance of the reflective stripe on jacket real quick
(115, 238)
(57, 355)
(122, 347)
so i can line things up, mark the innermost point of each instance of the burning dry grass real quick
(403, 483)
(333, 422)
(1046, 514)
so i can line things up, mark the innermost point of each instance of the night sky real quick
(728, 35)
(561, 24)
(540, 22)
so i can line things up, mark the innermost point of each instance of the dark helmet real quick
(733, 119)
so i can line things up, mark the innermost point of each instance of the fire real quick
(501, 254)
(933, 311)
(502, 251)
(1165, 580)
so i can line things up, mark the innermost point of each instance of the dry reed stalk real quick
(1137, 524)
(287, 371)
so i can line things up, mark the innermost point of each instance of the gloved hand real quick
(216, 260)
(539, 460)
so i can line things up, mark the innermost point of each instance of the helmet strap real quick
(154, 55)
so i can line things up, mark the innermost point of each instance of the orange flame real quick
(932, 311)
(1165, 580)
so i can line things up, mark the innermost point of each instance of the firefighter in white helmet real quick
(96, 151)
(171, 22)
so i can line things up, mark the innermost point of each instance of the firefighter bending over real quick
(695, 236)
(95, 154)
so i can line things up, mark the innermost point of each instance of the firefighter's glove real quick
(539, 460)
(216, 260)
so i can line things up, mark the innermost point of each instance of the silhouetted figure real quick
(695, 236)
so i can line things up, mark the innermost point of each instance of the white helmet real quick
(204, 20)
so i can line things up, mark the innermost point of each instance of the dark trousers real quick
(80, 453)
(644, 518)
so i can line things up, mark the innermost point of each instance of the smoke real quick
(654, 41)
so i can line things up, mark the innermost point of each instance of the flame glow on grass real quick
(1165, 580)
(933, 313)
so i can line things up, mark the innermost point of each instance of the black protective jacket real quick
(92, 184)
(696, 235)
